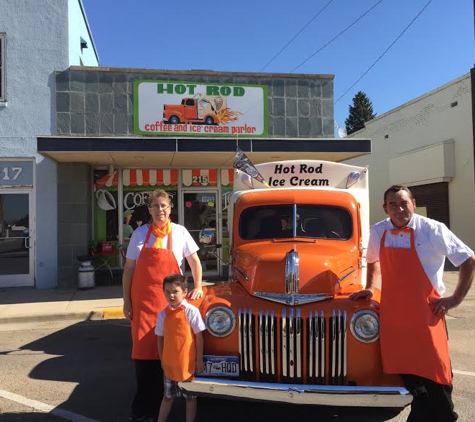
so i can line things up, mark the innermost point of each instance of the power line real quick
(337, 36)
(385, 51)
(296, 35)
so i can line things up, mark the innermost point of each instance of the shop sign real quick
(302, 174)
(187, 108)
(16, 173)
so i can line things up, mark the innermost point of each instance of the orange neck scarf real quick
(160, 234)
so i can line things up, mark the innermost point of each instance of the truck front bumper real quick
(325, 395)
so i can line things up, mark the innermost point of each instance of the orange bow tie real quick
(402, 229)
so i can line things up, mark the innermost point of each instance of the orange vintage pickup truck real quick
(283, 328)
(191, 110)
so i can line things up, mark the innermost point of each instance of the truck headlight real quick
(364, 326)
(220, 321)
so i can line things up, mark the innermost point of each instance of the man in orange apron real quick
(154, 252)
(409, 251)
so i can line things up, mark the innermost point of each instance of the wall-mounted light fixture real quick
(83, 43)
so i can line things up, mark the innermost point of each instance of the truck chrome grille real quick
(311, 349)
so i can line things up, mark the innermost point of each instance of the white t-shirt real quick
(192, 315)
(183, 244)
(433, 242)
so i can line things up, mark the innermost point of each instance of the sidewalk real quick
(25, 304)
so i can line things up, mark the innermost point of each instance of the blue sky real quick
(245, 35)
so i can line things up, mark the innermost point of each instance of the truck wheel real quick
(209, 121)
(174, 120)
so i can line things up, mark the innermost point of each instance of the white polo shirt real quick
(433, 242)
(183, 244)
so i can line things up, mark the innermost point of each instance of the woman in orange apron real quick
(144, 272)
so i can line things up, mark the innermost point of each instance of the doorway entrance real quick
(200, 218)
(16, 243)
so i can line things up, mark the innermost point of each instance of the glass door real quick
(200, 219)
(16, 245)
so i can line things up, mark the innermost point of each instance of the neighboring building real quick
(427, 144)
(122, 133)
(37, 38)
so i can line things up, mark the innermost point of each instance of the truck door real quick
(190, 109)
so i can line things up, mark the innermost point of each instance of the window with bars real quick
(2, 67)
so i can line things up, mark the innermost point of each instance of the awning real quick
(140, 177)
(194, 152)
(159, 177)
(196, 177)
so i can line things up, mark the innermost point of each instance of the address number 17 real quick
(10, 173)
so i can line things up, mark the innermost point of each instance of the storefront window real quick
(203, 192)
(106, 233)
(137, 185)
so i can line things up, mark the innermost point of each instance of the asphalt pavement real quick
(61, 338)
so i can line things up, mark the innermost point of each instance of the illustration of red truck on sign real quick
(201, 109)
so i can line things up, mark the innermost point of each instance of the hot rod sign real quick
(187, 108)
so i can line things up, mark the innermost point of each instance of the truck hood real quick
(321, 267)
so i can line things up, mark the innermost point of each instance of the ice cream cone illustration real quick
(218, 103)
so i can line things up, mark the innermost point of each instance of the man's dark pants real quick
(432, 401)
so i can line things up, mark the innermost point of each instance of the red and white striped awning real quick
(227, 177)
(152, 177)
(197, 177)
(140, 177)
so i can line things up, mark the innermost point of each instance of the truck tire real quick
(174, 120)
(209, 121)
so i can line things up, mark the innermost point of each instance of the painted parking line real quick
(470, 374)
(45, 408)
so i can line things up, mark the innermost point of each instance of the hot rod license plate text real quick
(221, 366)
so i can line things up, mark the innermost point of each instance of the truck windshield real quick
(313, 221)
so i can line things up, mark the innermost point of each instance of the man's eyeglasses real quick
(161, 207)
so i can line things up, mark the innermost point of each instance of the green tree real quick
(360, 112)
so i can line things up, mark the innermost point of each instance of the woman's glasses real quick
(161, 207)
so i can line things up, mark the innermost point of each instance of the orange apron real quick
(147, 296)
(413, 339)
(179, 351)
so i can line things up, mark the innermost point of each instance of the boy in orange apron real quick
(180, 344)
(409, 251)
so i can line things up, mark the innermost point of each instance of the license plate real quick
(220, 366)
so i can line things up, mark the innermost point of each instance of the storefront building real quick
(36, 39)
(122, 133)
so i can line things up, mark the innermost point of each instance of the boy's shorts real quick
(172, 391)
